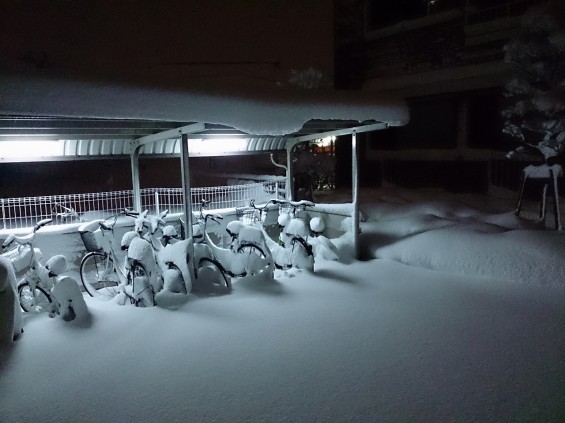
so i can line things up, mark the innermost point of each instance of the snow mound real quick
(436, 232)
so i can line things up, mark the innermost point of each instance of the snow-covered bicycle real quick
(292, 248)
(34, 288)
(211, 263)
(100, 269)
(145, 273)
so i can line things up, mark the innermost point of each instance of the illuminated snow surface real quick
(469, 327)
(247, 105)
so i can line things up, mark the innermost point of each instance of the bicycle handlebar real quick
(215, 217)
(67, 211)
(105, 227)
(24, 239)
(294, 204)
(261, 209)
(130, 212)
(41, 224)
(8, 241)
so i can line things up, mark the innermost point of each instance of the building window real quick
(382, 14)
(432, 125)
(485, 121)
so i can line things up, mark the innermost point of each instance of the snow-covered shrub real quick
(536, 116)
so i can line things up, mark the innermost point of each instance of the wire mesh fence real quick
(24, 212)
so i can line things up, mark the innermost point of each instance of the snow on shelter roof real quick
(98, 114)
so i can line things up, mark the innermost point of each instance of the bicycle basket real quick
(247, 215)
(90, 241)
(297, 211)
(285, 208)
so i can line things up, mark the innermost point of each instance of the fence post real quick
(156, 202)
(3, 215)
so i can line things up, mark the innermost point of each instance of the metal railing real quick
(501, 11)
(24, 212)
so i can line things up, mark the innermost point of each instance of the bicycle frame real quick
(101, 259)
(106, 236)
(34, 288)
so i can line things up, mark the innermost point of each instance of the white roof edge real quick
(250, 108)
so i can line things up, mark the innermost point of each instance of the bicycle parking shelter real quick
(108, 121)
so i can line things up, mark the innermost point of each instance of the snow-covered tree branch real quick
(536, 116)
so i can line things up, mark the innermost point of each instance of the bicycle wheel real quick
(212, 273)
(173, 280)
(34, 301)
(302, 256)
(98, 275)
(255, 258)
(141, 294)
(251, 248)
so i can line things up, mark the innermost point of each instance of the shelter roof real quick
(101, 118)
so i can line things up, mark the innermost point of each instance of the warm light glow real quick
(326, 142)
(217, 146)
(28, 149)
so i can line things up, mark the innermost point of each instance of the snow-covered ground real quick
(457, 315)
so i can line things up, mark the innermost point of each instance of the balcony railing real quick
(508, 10)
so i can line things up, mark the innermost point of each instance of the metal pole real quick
(286, 174)
(134, 159)
(289, 166)
(157, 211)
(355, 192)
(185, 174)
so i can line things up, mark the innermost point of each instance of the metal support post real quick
(185, 174)
(355, 192)
(289, 170)
(134, 160)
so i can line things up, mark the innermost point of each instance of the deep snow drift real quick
(477, 336)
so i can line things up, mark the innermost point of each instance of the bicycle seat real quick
(89, 226)
(24, 239)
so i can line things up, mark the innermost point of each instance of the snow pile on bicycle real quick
(41, 287)
(159, 268)
(152, 265)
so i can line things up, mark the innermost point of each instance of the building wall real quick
(449, 68)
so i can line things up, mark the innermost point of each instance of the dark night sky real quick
(146, 39)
